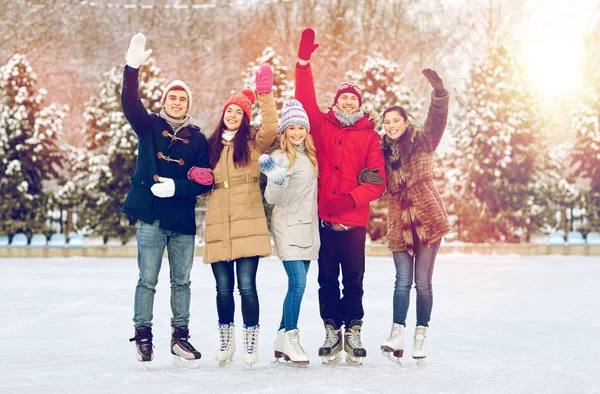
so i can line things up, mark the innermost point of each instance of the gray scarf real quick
(176, 124)
(301, 148)
(348, 119)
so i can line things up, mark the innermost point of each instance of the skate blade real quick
(298, 363)
(420, 361)
(353, 360)
(185, 363)
(146, 365)
(224, 363)
(331, 359)
(390, 355)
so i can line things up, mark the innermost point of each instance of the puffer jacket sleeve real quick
(305, 93)
(276, 194)
(269, 129)
(435, 124)
(365, 193)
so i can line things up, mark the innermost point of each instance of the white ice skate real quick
(292, 350)
(227, 344)
(251, 345)
(393, 347)
(353, 345)
(330, 351)
(278, 345)
(419, 348)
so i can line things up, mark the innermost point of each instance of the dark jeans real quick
(421, 264)
(246, 268)
(345, 249)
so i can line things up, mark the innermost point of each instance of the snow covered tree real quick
(283, 80)
(494, 193)
(383, 84)
(104, 167)
(29, 148)
(585, 124)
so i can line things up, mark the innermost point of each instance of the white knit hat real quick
(293, 113)
(181, 84)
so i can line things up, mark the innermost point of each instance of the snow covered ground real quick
(500, 324)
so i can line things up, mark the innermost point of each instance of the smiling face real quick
(176, 104)
(348, 103)
(232, 118)
(394, 125)
(295, 133)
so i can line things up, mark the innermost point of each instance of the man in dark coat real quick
(163, 199)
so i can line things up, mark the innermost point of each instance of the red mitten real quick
(307, 44)
(200, 175)
(340, 205)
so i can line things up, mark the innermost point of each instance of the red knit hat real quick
(348, 87)
(245, 99)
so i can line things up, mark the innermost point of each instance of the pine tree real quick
(283, 80)
(383, 84)
(585, 124)
(496, 161)
(29, 149)
(108, 160)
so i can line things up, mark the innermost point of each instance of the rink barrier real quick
(370, 250)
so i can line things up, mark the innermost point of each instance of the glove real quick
(165, 188)
(136, 54)
(264, 79)
(370, 176)
(307, 44)
(201, 175)
(343, 203)
(274, 172)
(435, 81)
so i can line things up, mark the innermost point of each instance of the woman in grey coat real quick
(292, 174)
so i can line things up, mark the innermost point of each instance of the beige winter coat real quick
(236, 225)
(294, 222)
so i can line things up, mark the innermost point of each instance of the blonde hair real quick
(309, 148)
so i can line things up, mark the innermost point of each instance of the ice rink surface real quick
(500, 324)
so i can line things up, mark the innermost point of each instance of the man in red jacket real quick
(346, 143)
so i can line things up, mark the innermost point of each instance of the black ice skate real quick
(184, 354)
(352, 343)
(143, 344)
(330, 351)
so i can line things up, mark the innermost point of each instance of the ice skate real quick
(419, 348)
(251, 345)
(278, 346)
(353, 345)
(330, 351)
(393, 347)
(292, 350)
(226, 344)
(143, 345)
(184, 354)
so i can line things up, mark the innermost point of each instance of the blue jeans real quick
(296, 271)
(246, 268)
(151, 243)
(422, 264)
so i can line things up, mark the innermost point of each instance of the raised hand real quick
(307, 44)
(274, 172)
(137, 54)
(434, 79)
(264, 79)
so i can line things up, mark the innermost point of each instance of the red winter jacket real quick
(342, 152)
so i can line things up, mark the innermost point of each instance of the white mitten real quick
(164, 189)
(136, 54)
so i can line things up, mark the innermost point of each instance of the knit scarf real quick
(348, 119)
(228, 135)
(176, 124)
(300, 148)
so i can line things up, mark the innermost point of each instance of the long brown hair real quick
(241, 149)
(309, 148)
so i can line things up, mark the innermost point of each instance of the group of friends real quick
(323, 169)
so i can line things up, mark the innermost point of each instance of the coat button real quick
(329, 216)
(333, 191)
(340, 143)
(143, 183)
(336, 167)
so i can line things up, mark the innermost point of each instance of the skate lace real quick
(331, 337)
(419, 338)
(295, 342)
(145, 345)
(354, 339)
(395, 333)
(185, 344)
(251, 339)
(225, 336)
